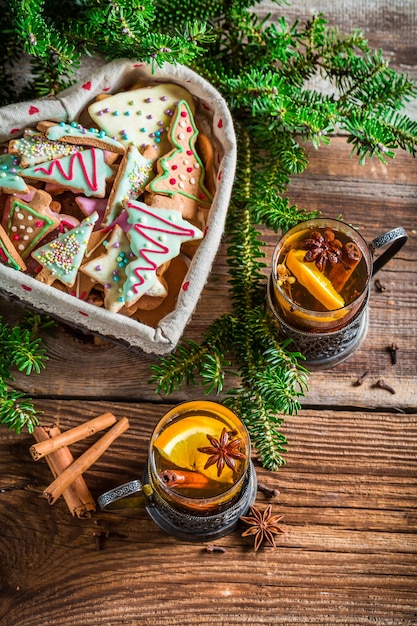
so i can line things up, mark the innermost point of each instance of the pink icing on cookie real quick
(83, 171)
(155, 237)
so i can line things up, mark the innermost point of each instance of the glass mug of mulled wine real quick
(199, 478)
(318, 290)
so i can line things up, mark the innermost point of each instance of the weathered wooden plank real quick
(348, 495)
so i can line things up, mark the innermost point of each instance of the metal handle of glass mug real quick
(396, 238)
(129, 495)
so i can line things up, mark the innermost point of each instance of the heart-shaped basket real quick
(214, 117)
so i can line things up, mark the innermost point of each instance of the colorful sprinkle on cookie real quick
(84, 172)
(133, 174)
(155, 237)
(62, 257)
(28, 219)
(109, 269)
(181, 171)
(140, 117)
(75, 133)
(33, 148)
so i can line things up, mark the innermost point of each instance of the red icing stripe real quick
(33, 110)
(26, 287)
(78, 156)
(170, 229)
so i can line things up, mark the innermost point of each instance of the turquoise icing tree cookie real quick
(84, 172)
(155, 237)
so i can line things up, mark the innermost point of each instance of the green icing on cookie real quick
(181, 171)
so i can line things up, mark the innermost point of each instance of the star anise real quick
(322, 248)
(223, 451)
(263, 525)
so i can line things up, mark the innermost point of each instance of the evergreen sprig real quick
(266, 70)
(20, 348)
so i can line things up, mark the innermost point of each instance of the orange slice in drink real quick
(179, 444)
(313, 280)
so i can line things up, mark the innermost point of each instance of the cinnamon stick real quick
(342, 271)
(80, 465)
(72, 435)
(77, 495)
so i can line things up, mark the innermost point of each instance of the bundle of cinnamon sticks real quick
(67, 472)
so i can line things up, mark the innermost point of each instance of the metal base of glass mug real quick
(324, 350)
(202, 527)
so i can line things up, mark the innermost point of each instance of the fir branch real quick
(20, 349)
(16, 411)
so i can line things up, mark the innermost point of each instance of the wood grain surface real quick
(348, 492)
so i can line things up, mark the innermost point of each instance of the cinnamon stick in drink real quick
(80, 465)
(343, 270)
(77, 496)
(73, 435)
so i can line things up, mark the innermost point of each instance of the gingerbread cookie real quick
(8, 254)
(181, 172)
(174, 278)
(155, 237)
(75, 133)
(140, 117)
(62, 257)
(28, 219)
(34, 148)
(10, 181)
(108, 269)
(83, 172)
(133, 174)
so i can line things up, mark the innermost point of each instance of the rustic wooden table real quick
(348, 491)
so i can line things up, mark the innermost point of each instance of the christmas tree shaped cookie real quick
(34, 148)
(83, 172)
(155, 238)
(29, 219)
(108, 269)
(62, 257)
(77, 134)
(135, 171)
(8, 254)
(181, 172)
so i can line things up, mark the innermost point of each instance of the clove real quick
(379, 286)
(361, 379)
(393, 351)
(269, 491)
(212, 547)
(99, 535)
(383, 385)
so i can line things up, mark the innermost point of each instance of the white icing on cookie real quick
(141, 116)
